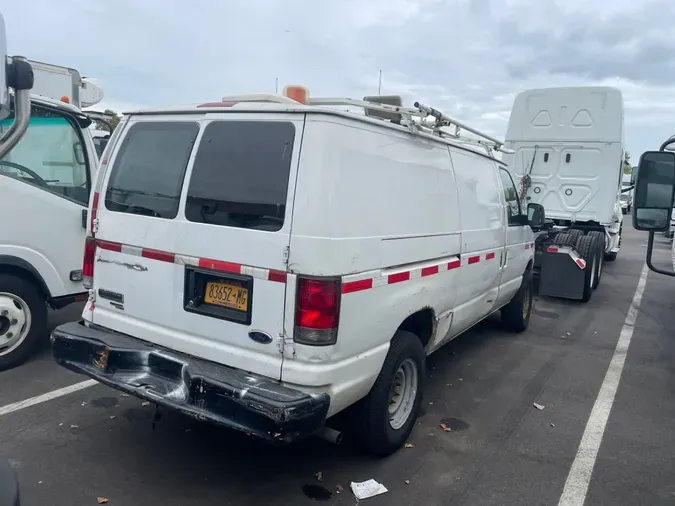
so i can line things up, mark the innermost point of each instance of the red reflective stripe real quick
(162, 256)
(357, 286)
(552, 249)
(428, 271)
(581, 263)
(454, 264)
(398, 277)
(217, 265)
(110, 246)
(277, 276)
(527, 246)
(474, 260)
(489, 256)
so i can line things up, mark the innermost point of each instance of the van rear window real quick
(147, 176)
(240, 175)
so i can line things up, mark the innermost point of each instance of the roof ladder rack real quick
(414, 119)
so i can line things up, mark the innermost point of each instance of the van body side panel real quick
(377, 208)
(483, 225)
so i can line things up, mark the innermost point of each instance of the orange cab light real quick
(218, 104)
(65, 99)
(297, 93)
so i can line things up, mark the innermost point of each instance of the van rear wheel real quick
(23, 320)
(516, 314)
(389, 411)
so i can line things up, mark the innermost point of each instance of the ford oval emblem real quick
(260, 337)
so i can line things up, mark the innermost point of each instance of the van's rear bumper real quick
(247, 402)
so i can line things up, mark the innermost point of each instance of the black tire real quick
(564, 239)
(37, 306)
(600, 244)
(610, 257)
(376, 433)
(576, 234)
(516, 314)
(587, 247)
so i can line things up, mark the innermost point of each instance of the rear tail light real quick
(317, 311)
(88, 262)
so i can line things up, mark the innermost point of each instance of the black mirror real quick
(654, 187)
(535, 215)
(9, 486)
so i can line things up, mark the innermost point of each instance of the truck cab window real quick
(510, 196)
(50, 155)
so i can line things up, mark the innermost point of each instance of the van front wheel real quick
(389, 411)
(23, 320)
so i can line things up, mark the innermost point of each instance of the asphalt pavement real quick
(501, 450)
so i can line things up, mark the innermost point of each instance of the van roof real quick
(278, 104)
(569, 114)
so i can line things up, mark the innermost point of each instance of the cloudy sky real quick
(465, 57)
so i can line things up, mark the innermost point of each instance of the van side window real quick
(50, 155)
(147, 176)
(511, 196)
(240, 175)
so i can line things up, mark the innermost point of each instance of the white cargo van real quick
(568, 154)
(266, 263)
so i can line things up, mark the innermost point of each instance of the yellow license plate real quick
(227, 295)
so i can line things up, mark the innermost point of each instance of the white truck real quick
(45, 182)
(568, 146)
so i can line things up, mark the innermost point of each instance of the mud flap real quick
(563, 273)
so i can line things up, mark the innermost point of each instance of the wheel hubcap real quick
(15, 321)
(402, 393)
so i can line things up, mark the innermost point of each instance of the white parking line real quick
(55, 394)
(576, 486)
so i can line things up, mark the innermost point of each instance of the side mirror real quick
(78, 153)
(536, 216)
(654, 188)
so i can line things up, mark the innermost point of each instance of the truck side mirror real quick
(654, 189)
(536, 215)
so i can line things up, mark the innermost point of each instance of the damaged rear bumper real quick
(247, 402)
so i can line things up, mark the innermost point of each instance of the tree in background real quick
(114, 121)
(627, 168)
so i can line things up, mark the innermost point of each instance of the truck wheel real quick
(564, 239)
(576, 234)
(516, 314)
(389, 411)
(23, 320)
(600, 243)
(588, 249)
(610, 257)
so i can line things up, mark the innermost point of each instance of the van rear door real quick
(194, 223)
